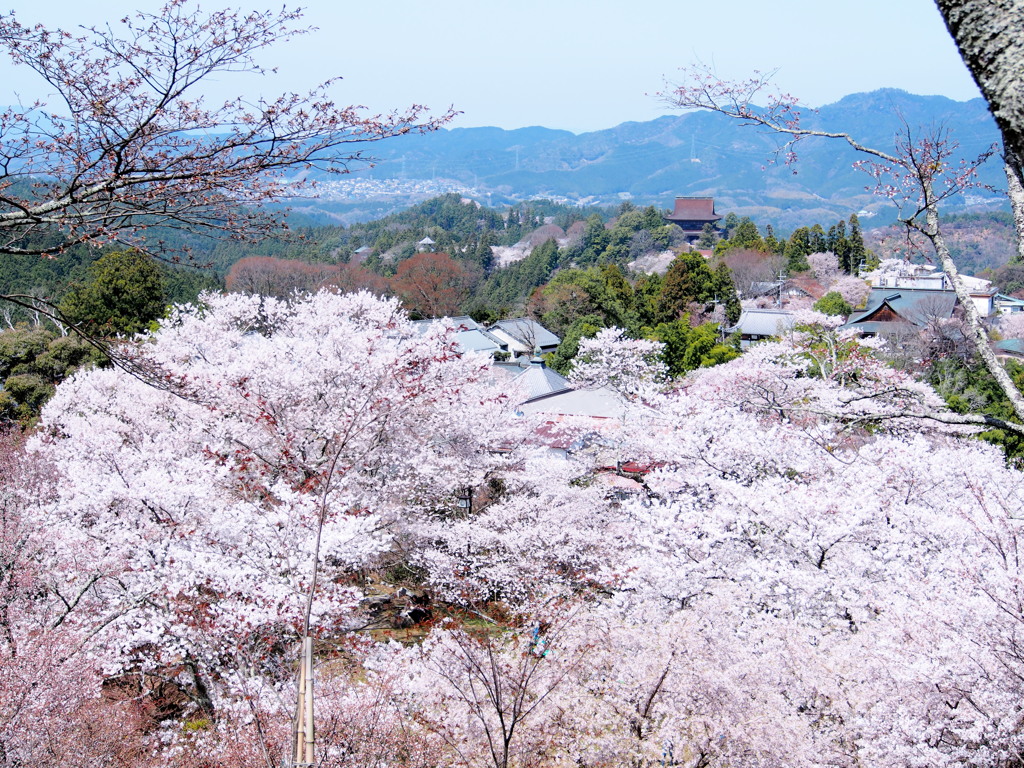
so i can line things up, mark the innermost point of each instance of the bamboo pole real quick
(302, 753)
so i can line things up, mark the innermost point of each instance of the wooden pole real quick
(304, 737)
(308, 649)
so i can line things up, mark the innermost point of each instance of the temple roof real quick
(887, 309)
(694, 209)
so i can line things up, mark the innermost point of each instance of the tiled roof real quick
(527, 332)
(478, 340)
(537, 380)
(763, 322)
(694, 209)
(915, 306)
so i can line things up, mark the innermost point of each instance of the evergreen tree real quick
(617, 299)
(708, 237)
(646, 294)
(124, 294)
(33, 360)
(688, 281)
(833, 303)
(797, 249)
(585, 327)
(746, 235)
(687, 348)
(818, 241)
(652, 218)
(771, 243)
(729, 223)
(858, 254)
(725, 292)
(839, 244)
(595, 241)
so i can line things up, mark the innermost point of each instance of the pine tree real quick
(818, 242)
(124, 294)
(708, 237)
(858, 253)
(797, 250)
(729, 224)
(746, 235)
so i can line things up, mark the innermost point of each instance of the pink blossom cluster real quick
(809, 568)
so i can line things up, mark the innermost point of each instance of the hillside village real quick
(698, 470)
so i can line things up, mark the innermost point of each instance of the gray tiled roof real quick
(527, 332)
(915, 305)
(477, 340)
(538, 380)
(763, 322)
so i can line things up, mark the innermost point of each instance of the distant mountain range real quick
(694, 153)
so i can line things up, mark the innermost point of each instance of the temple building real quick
(692, 213)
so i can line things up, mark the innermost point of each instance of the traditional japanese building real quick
(890, 312)
(692, 213)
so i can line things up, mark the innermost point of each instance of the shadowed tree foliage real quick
(33, 360)
(125, 292)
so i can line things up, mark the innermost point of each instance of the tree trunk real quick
(989, 36)
(1015, 191)
(978, 332)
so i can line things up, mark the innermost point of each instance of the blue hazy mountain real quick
(699, 153)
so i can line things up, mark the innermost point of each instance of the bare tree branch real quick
(129, 143)
(920, 174)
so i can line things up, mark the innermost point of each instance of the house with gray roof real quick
(469, 336)
(890, 311)
(524, 336)
(759, 324)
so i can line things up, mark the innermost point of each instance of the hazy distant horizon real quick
(571, 65)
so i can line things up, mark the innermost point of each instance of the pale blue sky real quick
(576, 65)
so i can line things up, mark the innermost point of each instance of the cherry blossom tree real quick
(817, 567)
(286, 441)
(50, 685)
(631, 367)
(487, 698)
(812, 575)
(129, 142)
(825, 267)
(788, 549)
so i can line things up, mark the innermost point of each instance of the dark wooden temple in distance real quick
(692, 213)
